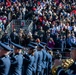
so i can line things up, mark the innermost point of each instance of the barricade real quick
(17, 24)
(65, 53)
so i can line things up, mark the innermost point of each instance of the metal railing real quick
(17, 24)
(65, 53)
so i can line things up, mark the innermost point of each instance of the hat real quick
(31, 46)
(5, 47)
(6, 43)
(17, 45)
(33, 43)
(48, 48)
(40, 45)
(43, 43)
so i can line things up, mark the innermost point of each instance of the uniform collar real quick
(3, 56)
(17, 53)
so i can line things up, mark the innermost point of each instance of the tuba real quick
(66, 63)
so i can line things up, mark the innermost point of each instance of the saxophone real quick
(66, 63)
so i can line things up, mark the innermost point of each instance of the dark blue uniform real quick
(72, 68)
(4, 65)
(70, 71)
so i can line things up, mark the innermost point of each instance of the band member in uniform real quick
(4, 59)
(39, 60)
(35, 56)
(48, 60)
(29, 60)
(16, 60)
(71, 69)
(44, 58)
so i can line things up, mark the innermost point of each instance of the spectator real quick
(50, 43)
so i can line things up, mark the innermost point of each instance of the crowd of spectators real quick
(54, 21)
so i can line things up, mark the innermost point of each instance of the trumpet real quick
(66, 63)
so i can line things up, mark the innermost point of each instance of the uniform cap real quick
(33, 43)
(5, 47)
(17, 45)
(40, 45)
(31, 46)
(48, 48)
(43, 43)
(6, 43)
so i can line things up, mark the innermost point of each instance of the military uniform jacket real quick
(48, 60)
(35, 61)
(39, 61)
(30, 66)
(28, 63)
(71, 70)
(16, 64)
(4, 65)
(44, 58)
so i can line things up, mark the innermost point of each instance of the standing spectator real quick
(57, 41)
(51, 43)
(14, 37)
(41, 33)
(68, 41)
(5, 38)
(73, 39)
(2, 25)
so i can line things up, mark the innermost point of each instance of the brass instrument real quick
(66, 63)
(51, 52)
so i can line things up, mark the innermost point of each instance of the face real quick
(30, 51)
(17, 50)
(73, 54)
(4, 52)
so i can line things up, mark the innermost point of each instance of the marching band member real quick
(4, 59)
(28, 64)
(44, 58)
(39, 60)
(48, 60)
(16, 60)
(71, 69)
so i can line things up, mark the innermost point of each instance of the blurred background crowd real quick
(54, 22)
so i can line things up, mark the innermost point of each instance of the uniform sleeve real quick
(35, 61)
(26, 58)
(13, 60)
(44, 59)
(50, 61)
(61, 71)
(1, 63)
(39, 61)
